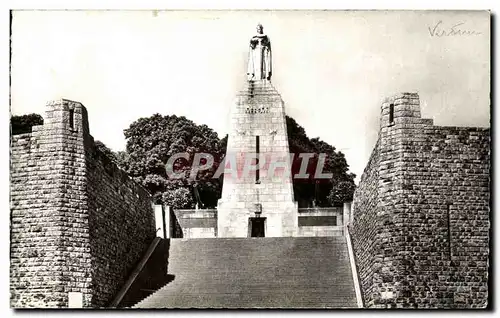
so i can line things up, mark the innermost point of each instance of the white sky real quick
(332, 68)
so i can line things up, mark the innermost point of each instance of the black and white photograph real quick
(250, 159)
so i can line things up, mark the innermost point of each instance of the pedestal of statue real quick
(258, 126)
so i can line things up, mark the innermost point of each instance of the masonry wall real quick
(50, 249)
(194, 223)
(68, 213)
(446, 187)
(366, 228)
(320, 221)
(202, 223)
(431, 222)
(121, 225)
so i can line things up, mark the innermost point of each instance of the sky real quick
(332, 68)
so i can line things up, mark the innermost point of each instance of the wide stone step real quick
(306, 272)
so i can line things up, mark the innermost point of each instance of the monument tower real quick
(257, 197)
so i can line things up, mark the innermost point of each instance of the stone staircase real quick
(291, 272)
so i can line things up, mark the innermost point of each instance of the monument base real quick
(236, 219)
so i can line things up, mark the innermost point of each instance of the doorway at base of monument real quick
(256, 227)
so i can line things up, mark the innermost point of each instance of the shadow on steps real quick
(153, 276)
(286, 272)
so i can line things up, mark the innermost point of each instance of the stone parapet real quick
(420, 226)
(78, 223)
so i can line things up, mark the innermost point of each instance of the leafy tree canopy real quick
(152, 141)
(107, 152)
(312, 191)
(22, 124)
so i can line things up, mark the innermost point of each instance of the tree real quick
(123, 159)
(223, 144)
(179, 198)
(23, 124)
(341, 192)
(106, 151)
(318, 191)
(153, 140)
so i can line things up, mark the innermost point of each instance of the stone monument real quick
(258, 200)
